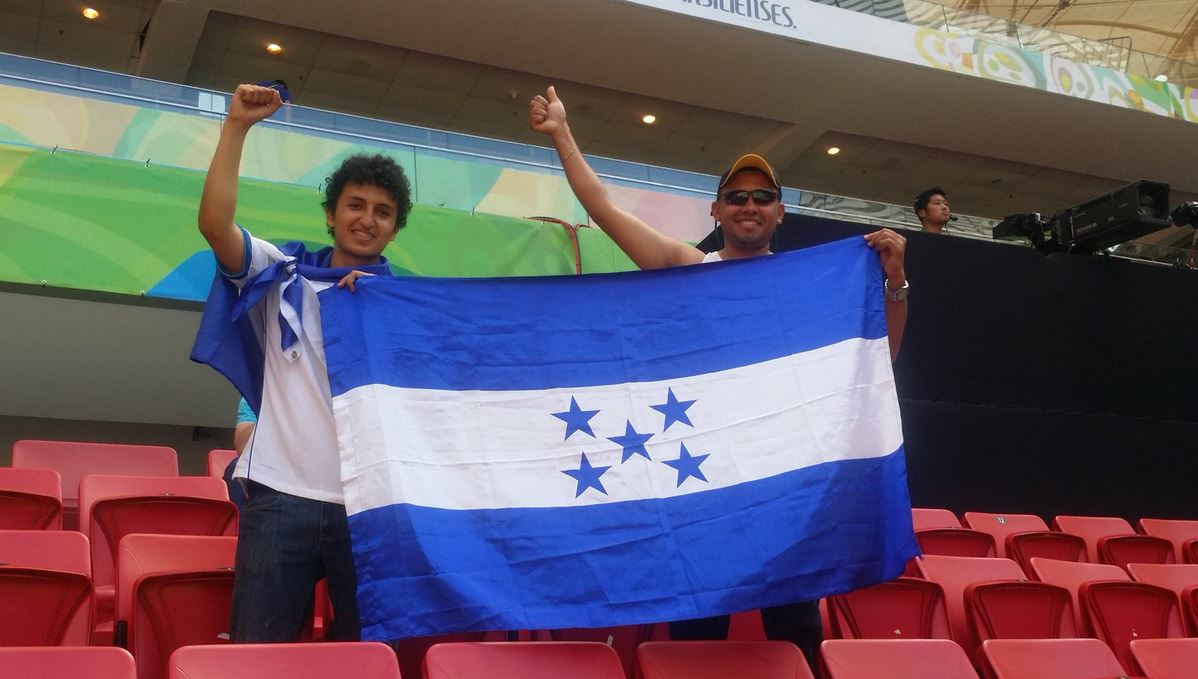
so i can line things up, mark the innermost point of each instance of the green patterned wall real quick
(71, 220)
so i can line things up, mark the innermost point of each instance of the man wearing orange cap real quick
(748, 208)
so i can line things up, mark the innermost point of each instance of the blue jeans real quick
(285, 545)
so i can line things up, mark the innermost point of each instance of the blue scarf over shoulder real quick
(226, 340)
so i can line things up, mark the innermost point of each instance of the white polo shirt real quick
(294, 446)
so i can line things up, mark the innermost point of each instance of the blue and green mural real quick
(71, 220)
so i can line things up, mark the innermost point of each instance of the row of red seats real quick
(71, 461)
(939, 531)
(1096, 539)
(1006, 659)
(111, 507)
(175, 590)
(1008, 525)
(841, 659)
(107, 491)
(971, 600)
(364, 660)
(171, 590)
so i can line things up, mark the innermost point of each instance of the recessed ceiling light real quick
(648, 119)
(89, 13)
(833, 150)
(1162, 78)
(274, 48)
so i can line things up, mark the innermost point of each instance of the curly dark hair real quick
(372, 170)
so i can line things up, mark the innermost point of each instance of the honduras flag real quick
(618, 448)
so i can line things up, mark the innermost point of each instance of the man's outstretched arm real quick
(218, 204)
(647, 247)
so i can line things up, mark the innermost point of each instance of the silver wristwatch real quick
(899, 295)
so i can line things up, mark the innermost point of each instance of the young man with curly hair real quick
(293, 530)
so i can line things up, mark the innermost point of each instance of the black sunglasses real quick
(740, 197)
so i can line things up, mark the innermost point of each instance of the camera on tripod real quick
(1130, 212)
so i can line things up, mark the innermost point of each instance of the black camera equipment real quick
(1127, 213)
(1027, 226)
(1185, 214)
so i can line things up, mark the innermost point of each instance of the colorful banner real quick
(77, 221)
(822, 24)
(277, 154)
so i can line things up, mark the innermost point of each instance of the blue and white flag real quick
(619, 448)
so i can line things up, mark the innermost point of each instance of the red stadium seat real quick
(721, 659)
(1119, 612)
(218, 459)
(522, 660)
(938, 531)
(322, 608)
(743, 626)
(45, 588)
(1020, 610)
(954, 574)
(1174, 576)
(955, 542)
(1189, 550)
(824, 619)
(56, 662)
(895, 659)
(1071, 575)
(1121, 550)
(906, 608)
(172, 591)
(623, 640)
(1000, 526)
(1175, 531)
(1044, 658)
(74, 460)
(411, 651)
(30, 499)
(1048, 545)
(1189, 605)
(112, 507)
(357, 659)
(1093, 529)
(1166, 658)
(925, 519)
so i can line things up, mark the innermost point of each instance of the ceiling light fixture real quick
(274, 48)
(833, 150)
(648, 119)
(89, 13)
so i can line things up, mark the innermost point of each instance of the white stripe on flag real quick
(504, 449)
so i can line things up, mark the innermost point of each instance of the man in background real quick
(931, 207)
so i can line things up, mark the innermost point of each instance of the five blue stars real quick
(686, 464)
(588, 476)
(577, 419)
(674, 410)
(632, 442)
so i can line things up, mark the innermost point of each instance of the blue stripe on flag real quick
(792, 537)
(537, 333)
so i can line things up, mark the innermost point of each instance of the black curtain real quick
(1042, 384)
